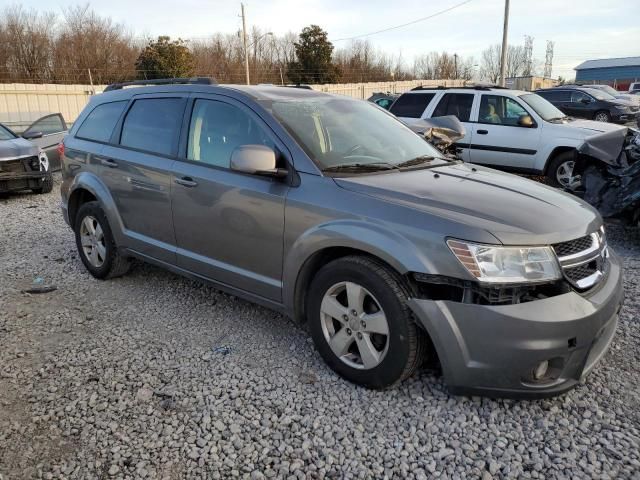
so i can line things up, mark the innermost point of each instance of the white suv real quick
(508, 129)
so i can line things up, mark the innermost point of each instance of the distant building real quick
(530, 83)
(619, 72)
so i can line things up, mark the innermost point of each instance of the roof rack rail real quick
(470, 87)
(163, 81)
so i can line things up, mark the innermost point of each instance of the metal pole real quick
(93, 90)
(281, 77)
(244, 42)
(503, 52)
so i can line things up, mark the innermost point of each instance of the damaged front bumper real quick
(494, 350)
(24, 173)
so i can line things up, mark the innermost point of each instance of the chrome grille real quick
(583, 260)
(573, 246)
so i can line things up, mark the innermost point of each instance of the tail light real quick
(61, 149)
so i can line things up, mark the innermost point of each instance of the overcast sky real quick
(581, 29)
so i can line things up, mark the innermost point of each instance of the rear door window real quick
(99, 124)
(152, 125)
(458, 104)
(411, 105)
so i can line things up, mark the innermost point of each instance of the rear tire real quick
(98, 250)
(47, 185)
(602, 116)
(351, 302)
(559, 171)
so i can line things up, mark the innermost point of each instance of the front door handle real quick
(482, 132)
(186, 182)
(109, 163)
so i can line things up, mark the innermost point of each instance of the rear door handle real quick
(186, 182)
(482, 132)
(108, 163)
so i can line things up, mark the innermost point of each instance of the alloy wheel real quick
(565, 177)
(354, 325)
(601, 117)
(92, 241)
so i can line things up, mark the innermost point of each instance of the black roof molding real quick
(163, 81)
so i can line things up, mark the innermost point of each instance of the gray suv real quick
(333, 212)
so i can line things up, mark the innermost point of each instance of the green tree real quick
(164, 58)
(313, 53)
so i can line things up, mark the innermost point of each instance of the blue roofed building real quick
(619, 72)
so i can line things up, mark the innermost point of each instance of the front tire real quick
(602, 116)
(560, 172)
(361, 324)
(96, 245)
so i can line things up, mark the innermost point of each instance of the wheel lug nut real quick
(359, 336)
(348, 331)
(363, 324)
(354, 313)
(345, 317)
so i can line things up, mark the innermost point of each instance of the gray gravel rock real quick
(120, 378)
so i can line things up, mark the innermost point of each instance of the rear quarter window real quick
(411, 105)
(99, 124)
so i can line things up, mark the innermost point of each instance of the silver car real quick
(333, 212)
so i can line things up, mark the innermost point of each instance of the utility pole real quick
(455, 65)
(503, 52)
(244, 43)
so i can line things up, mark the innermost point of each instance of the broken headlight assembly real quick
(505, 265)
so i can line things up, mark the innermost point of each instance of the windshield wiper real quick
(416, 161)
(370, 167)
(555, 119)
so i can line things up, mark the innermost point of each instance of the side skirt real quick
(223, 287)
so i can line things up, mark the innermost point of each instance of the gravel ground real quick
(121, 379)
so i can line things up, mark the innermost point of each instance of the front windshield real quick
(335, 131)
(6, 134)
(542, 107)
(599, 94)
(607, 89)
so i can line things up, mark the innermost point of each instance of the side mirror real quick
(256, 160)
(32, 135)
(526, 121)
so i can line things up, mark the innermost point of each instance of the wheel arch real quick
(88, 187)
(324, 244)
(554, 153)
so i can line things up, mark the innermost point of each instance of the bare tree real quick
(27, 41)
(89, 42)
(516, 62)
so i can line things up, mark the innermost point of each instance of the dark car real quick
(590, 103)
(384, 100)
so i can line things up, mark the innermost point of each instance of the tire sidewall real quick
(93, 209)
(393, 365)
(552, 176)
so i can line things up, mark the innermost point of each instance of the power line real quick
(404, 24)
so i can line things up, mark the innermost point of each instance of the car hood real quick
(17, 147)
(581, 129)
(515, 210)
(630, 99)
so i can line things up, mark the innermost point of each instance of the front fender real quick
(92, 183)
(389, 246)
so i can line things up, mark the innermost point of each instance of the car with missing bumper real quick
(23, 165)
(333, 212)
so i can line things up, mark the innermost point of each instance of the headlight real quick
(493, 264)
